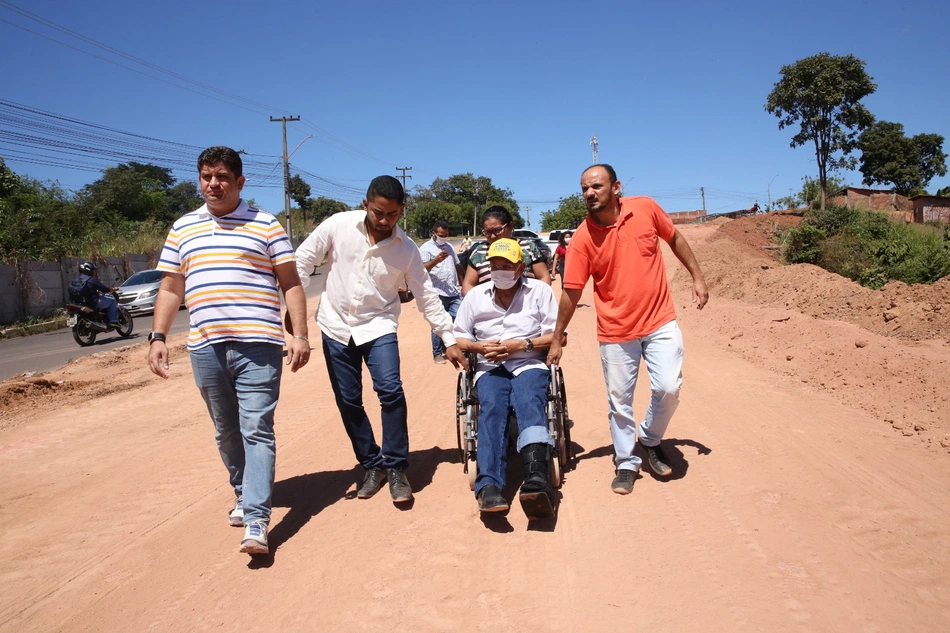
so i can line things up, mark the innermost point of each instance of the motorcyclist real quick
(89, 291)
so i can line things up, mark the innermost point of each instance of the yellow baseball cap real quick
(507, 248)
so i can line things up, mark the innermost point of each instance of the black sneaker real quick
(490, 499)
(658, 460)
(399, 486)
(372, 482)
(623, 482)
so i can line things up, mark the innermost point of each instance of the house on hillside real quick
(931, 209)
(898, 207)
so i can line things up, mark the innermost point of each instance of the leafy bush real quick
(867, 247)
(803, 244)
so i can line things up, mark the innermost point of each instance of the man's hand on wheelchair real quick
(456, 357)
(554, 352)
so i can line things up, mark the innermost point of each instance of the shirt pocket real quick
(647, 243)
(387, 278)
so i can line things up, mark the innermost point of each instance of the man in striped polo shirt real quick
(227, 259)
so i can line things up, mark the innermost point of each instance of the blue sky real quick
(674, 91)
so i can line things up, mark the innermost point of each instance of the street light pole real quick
(770, 191)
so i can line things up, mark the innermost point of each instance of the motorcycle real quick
(87, 322)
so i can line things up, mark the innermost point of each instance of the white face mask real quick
(504, 279)
(567, 240)
(439, 240)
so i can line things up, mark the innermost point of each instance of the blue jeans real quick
(345, 366)
(498, 390)
(107, 303)
(662, 351)
(240, 383)
(451, 305)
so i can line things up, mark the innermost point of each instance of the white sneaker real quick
(255, 539)
(236, 518)
(439, 359)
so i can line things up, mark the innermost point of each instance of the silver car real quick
(137, 293)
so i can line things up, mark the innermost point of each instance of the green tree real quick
(9, 181)
(132, 191)
(570, 212)
(822, 94)
(299, 191)
(466, 191)
(424, 214)
(810, 195)
(909, 164)
(944, 192)
(321, 208)
(41, 221)
(181, 199)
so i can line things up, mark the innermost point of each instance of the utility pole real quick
(593, 143)
(404, 176)
(702, 192)
(283, 120)
(527, 210)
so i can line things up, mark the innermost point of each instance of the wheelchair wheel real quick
(471, 442)
(556, 471)
(460, 408)
(565, 447)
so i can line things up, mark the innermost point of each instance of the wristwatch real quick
(155, 336)
(528, 345)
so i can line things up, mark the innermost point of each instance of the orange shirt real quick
(631, 294)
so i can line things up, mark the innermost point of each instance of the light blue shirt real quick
(444, 277)
(532, 313)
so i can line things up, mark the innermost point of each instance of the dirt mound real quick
(912, 313)
(87, 378)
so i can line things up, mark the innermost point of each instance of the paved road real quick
(44, 352)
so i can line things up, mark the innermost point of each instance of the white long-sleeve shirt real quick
(361, 296)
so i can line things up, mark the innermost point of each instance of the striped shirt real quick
(479, 259)
(228, 263)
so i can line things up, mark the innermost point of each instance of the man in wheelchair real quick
(509, 323)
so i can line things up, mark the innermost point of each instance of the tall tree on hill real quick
(822, 94)
(909, 164)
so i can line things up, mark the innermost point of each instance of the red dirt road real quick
(810, 490)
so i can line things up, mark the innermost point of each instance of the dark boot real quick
(537, 494)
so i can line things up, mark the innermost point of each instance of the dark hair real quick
(440, 224)
(563, 236)
(387, 187)
(222, 154)
(498, 212)
(610, 171)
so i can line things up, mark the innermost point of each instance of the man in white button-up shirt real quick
(508, 323)
(369, 258)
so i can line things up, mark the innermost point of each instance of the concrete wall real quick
(41, 287)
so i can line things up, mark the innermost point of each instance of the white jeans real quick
(662, 351)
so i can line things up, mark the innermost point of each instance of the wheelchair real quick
(466, 423)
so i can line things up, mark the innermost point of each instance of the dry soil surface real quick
(811, 486)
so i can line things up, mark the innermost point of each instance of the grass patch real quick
(35, 325)
(867, 247)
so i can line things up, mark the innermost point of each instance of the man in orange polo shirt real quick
(618, 245)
